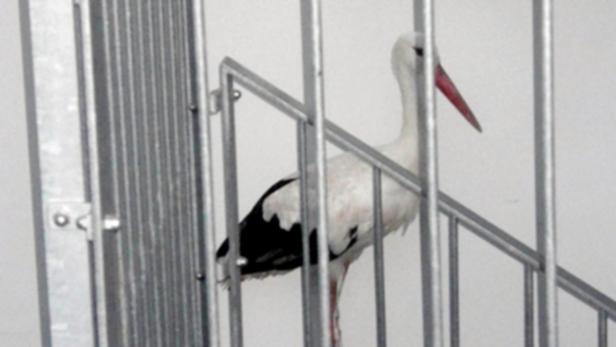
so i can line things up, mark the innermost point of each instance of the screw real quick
(200, 276)
(111, 223)
(236, 95)
(193, 108)
(241, 261)
(61, 219)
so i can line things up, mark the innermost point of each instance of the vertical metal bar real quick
(545, 171)
(140, 170)
(196, 197)
(126, 206)
(231, 196)
(88, 109)
(208, 242)
(429, 221)
(164, 194)
(177, 121)
(147, 225)
(602, 329)
(454, 283)
(192, 327)
(133, 159)
(168, 91)
(312, 46)
(529, 307)
(379, 267)
(115, 111)
(306, 261)
(158, 203)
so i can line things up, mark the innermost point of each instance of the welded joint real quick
(216, 101)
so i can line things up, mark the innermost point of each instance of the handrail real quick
(448, 205)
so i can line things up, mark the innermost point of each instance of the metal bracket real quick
(65, 216)
(216, 100)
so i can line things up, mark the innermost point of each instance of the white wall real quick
(19, 325)
(487, 48)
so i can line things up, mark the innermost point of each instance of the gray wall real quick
(18, 295)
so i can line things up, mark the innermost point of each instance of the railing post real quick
(430, 245)
(309, 312)
(529, 307)
(312, 53)
(602, 329)
(379, 267)
(545, 171)
(207, 242)
(454, 283)
(231, 208)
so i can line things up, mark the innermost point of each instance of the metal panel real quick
(109, 98)
(55, 121)
(545, 172)
(154, 191)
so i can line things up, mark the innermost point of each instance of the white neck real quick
(408, 95)
(408, 137)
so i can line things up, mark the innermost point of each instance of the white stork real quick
(270, 235)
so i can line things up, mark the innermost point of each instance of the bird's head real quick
(406, 59)
(408, 52)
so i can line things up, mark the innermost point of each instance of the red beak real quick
(446, 86)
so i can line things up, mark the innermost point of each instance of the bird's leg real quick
(334, 328)
(335, 288)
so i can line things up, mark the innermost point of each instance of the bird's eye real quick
(419, 51)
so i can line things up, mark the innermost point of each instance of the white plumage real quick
(270, 235)
(349, 183)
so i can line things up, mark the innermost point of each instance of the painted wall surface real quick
(487, 48)
(19, 324)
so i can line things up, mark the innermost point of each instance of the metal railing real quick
(458, 214)
(542, 262)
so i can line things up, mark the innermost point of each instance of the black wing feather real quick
(267, 247)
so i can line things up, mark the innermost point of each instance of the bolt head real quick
(61, 219)
(111, 223)
(241, 261)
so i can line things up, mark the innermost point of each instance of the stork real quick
(270, 235)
